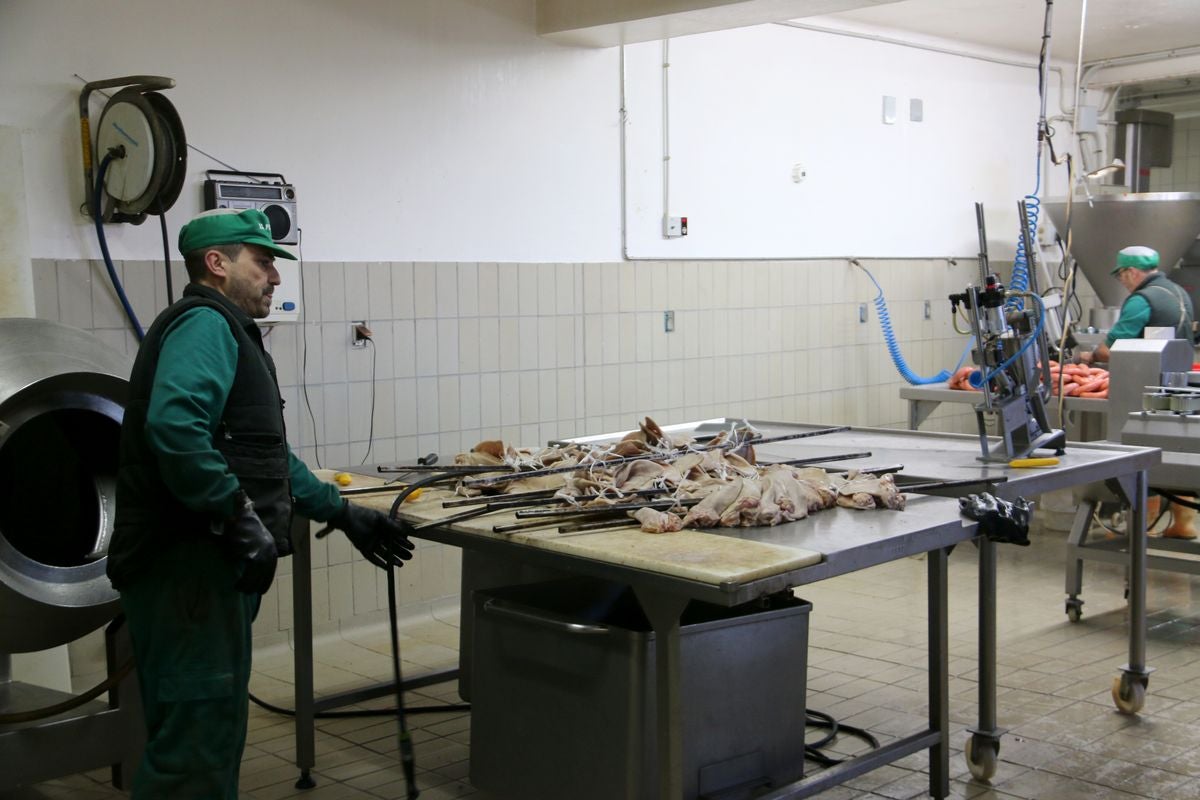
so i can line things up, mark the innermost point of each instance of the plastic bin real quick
(563, 691)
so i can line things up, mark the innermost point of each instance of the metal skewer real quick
(931, 485)
(666, 456)
(616, 508)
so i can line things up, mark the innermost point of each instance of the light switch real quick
(916, 109)
(889, 110)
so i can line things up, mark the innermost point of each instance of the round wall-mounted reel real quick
(142, 130)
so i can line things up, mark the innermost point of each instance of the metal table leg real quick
(983, 748)
(1129, 690)
(939, 674)
(306, 755)
(1076, 541)
(664, 610)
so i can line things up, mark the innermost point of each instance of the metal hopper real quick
(1167, 221)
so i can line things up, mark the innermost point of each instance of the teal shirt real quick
(196, 367)
(1135, 314)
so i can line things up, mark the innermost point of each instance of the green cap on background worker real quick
(222, 226)
(1136, 257)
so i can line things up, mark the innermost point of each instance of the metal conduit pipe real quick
(62, 397)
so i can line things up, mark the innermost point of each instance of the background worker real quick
(1154, 301)
(205, 490)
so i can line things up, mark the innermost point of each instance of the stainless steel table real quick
(924, 400)
(848, 541)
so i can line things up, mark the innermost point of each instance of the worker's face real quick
(250, 280)
(1130, 278)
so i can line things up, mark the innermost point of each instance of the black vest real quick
(250, 436)
(1170, 305)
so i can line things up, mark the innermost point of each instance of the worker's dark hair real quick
(194, 260)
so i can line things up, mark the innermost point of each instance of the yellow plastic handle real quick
(1022, 463)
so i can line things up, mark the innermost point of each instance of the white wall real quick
(415, 130)
(747, 104)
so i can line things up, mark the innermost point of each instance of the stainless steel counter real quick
(846, 540)
(924, 400)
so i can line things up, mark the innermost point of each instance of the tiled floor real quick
(866, 667)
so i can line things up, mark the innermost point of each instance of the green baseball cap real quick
(227, 226)
(1136, 257)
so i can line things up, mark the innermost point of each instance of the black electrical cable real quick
(304, 347)
(98, 208)
(363, 712)
(371, 429)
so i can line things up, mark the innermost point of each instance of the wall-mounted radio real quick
(275, 197)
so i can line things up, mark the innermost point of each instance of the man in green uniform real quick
(204, 500)
(1154, 301)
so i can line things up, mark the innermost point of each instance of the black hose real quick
(362, 712)
(1178, 500)
(98, 197)
(75, 702)
(162, 224)
(819, 719)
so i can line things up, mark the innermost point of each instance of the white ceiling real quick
(1113, 27)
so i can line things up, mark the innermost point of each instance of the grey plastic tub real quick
(563, 693)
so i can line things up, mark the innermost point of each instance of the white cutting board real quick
(696, 555)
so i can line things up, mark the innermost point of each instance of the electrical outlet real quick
(928, 309)
(360, 334)
(668, 321)
(862, 312)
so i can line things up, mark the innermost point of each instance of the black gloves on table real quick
(251, 546)
(999, 520)
(378, 537)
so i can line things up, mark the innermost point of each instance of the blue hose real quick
(1020, 273)
(977, 380)
(97, 206)
(889, 338)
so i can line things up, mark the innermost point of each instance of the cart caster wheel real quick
(1074, 610)
(1129, 694)
(981, 758)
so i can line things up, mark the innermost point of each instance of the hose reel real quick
(141, 130)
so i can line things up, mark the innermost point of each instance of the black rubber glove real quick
(380, 539)
(999, 520)
(251, 546)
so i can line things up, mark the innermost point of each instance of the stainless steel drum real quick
(62, 398)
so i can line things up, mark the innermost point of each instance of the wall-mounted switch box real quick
(916, 109)
(668, 321)
(674, 227)
(862, 312)
(889, 110)
(928, 310)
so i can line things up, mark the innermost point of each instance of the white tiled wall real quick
(530, 352)
(1184, 173)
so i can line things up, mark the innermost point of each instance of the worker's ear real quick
(215, 263)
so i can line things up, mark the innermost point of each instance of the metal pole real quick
(664, 610)
(302, 637)
(939, 677)
(1137, 575)
(987, 634)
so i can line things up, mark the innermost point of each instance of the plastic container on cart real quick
(563, 693)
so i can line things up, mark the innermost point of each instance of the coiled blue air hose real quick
(97, 206)
(889, 338)
(1020, 273)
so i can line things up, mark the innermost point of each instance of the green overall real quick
(204, 419)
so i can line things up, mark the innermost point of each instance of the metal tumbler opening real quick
(62, 396)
